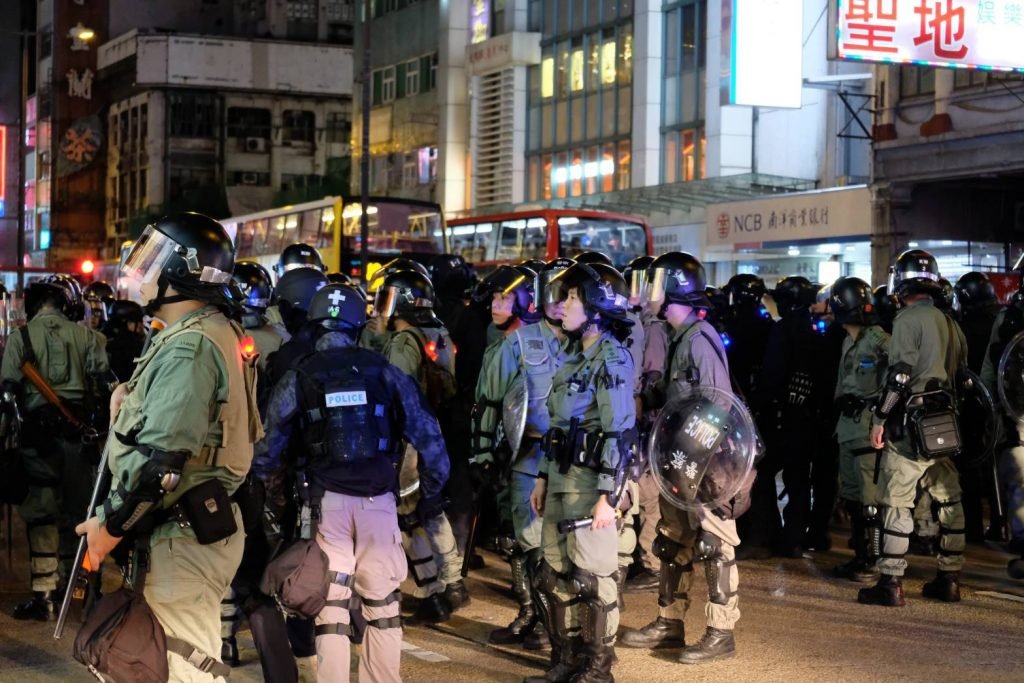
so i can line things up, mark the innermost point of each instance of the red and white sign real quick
(969, 34)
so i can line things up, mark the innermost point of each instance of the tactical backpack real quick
(345, 407)
(440, 382)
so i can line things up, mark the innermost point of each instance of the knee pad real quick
(709, 546)
(664, 548)
(545, 579)
(584, 583)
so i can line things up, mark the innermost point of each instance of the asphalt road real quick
(798, 624)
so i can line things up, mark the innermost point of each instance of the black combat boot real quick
(644, 581)
(229, 651)
(888, 592)
(42, 607)
(598, 667)
(517, 631)
(945, 587)
(716, 644)
(660, 633)
(537, 639)
(566, 661)
(433, 609)
(1016, 568)
(456, 595)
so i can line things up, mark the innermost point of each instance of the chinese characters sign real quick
(986, 34)
(479, 20)
(843, 212)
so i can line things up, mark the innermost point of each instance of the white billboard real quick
(967, 34)
(762, 52)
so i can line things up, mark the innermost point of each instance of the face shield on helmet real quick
(659, 284)
(149, 256)
(639, 284)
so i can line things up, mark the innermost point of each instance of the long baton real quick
(77, 583)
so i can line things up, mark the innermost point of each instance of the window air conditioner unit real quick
(250, 178)
(255, 145)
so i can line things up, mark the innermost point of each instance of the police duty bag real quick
(298, 579)
(121, 640)
(933, 425)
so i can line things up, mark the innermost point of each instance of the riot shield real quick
(514, 408)
(702, 447)
(979, 422)
(1010, 378)
(408, 474)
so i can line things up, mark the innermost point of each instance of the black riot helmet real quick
(974, 291)
(637, 277)
(591, 257)
(450, 275)
(794, 293)
(397, 265)
(339, 279)
(123, 311)
(745, 289)
(299, 255)
(852, 302)
(678, 278)
(338, 307)
(602, 289)
(886, 306)
(59, 291)
(98, 297)
(255, 285)
(296, 288)
(533, 264)
(716, 314)
(406, 294)
(944, 297)
(518, 281)
(187, 251)
(915, 272)
(543, 291)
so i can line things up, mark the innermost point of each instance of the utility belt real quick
(852, 406)
(575, 447)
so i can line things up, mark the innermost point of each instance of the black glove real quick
(428, 509)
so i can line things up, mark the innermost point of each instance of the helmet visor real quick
(148, 256)
(547, 288)
(639, 283)
(659, 279)
(385, 302)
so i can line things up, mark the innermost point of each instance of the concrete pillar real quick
(453, 105)
(647, 87)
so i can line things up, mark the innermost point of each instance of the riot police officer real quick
(98, 296)
(862, 370)
(185, 425)
(253, 281)
(351, 409)
(925, 352)
(404, 308)
(791, 398)
(589, 448)
(528, 356)
(299, 255)
(887, 306)
(125, 331)
(696, 357)
(291, 297)
(68, 357)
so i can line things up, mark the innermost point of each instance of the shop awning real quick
(668, 198)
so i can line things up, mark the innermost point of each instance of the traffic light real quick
(86, 270)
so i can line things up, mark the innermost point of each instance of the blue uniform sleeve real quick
(281, 413)
(421, 429)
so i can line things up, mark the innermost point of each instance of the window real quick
(248, 178)
(412, 78)
(683, 155)
(400, 81)
(971, 78)
(184, 178)
(916, 80)
(192, 115)
(378, 86)
(547, 77)
(248, 122)
(297, 126)
(339, 126)
(388, 84)
(302, 10)
(683, 101)
(340, 11)
(576, 70)
(410, 170)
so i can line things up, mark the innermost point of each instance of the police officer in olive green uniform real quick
(863, 366)
(589, 449)
(404, 304)
(185, 425)
(925, 352)
(529, 352)
(696, 356)
(254, 283)
(66, 355)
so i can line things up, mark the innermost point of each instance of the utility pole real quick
(364, 159)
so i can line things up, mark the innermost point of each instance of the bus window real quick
(472, 241)
(258, 230)
(535, 239)
(509, 245)
(309, 226)
(621, 240)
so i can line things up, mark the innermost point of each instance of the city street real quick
(798, 625)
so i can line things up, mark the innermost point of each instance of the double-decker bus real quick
(396, 227)
(509, 238)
